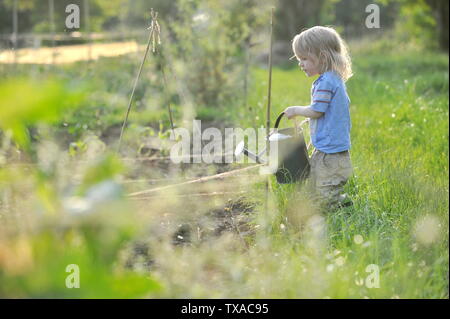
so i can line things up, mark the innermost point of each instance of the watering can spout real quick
(240, 149)
(288, 158)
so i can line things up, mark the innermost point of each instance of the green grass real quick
(399, 113)
(399, 221)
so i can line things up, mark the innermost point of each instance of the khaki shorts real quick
(329, 174)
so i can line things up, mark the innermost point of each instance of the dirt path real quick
(69, 53)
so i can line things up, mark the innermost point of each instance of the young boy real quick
(320, 50)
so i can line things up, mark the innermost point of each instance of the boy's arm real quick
(321, 98)
(305, 111)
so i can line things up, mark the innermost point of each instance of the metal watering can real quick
(289, 154)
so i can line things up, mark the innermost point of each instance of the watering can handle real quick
(277, 122)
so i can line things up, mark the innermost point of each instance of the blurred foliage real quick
(102, 169)
(417, 24)
(62, 223)
(213, 36)
(34, 265)
(25, 103)
(65, 203)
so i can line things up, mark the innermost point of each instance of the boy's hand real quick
(290, 112)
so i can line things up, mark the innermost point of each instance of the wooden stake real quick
(15, 30)
(269, 90)
(153, 40)
(161, 64)
(199, 180)
(149, 41)
(51, 5)
(88, 28)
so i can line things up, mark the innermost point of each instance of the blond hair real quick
(324, 44)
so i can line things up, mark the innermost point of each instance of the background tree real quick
(420, 21)
(440, 11)
(292, 16)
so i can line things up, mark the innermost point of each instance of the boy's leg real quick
(330, 172)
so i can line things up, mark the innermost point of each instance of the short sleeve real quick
(322, 95)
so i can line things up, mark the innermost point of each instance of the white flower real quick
(358, 239)
(340, 261)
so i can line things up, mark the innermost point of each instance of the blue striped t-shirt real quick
(330, 133)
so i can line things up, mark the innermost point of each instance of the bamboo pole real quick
(269, 90)
(161, 65)
(51, 6)
(246, 67)
(191, 195)
(199, 180)
(156, 39)
(88, 27)
(15, 30)
(149, 41)
(153, 40)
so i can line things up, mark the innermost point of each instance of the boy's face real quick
(308, 64)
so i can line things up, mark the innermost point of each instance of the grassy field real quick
(400, 155)
(393, 243)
